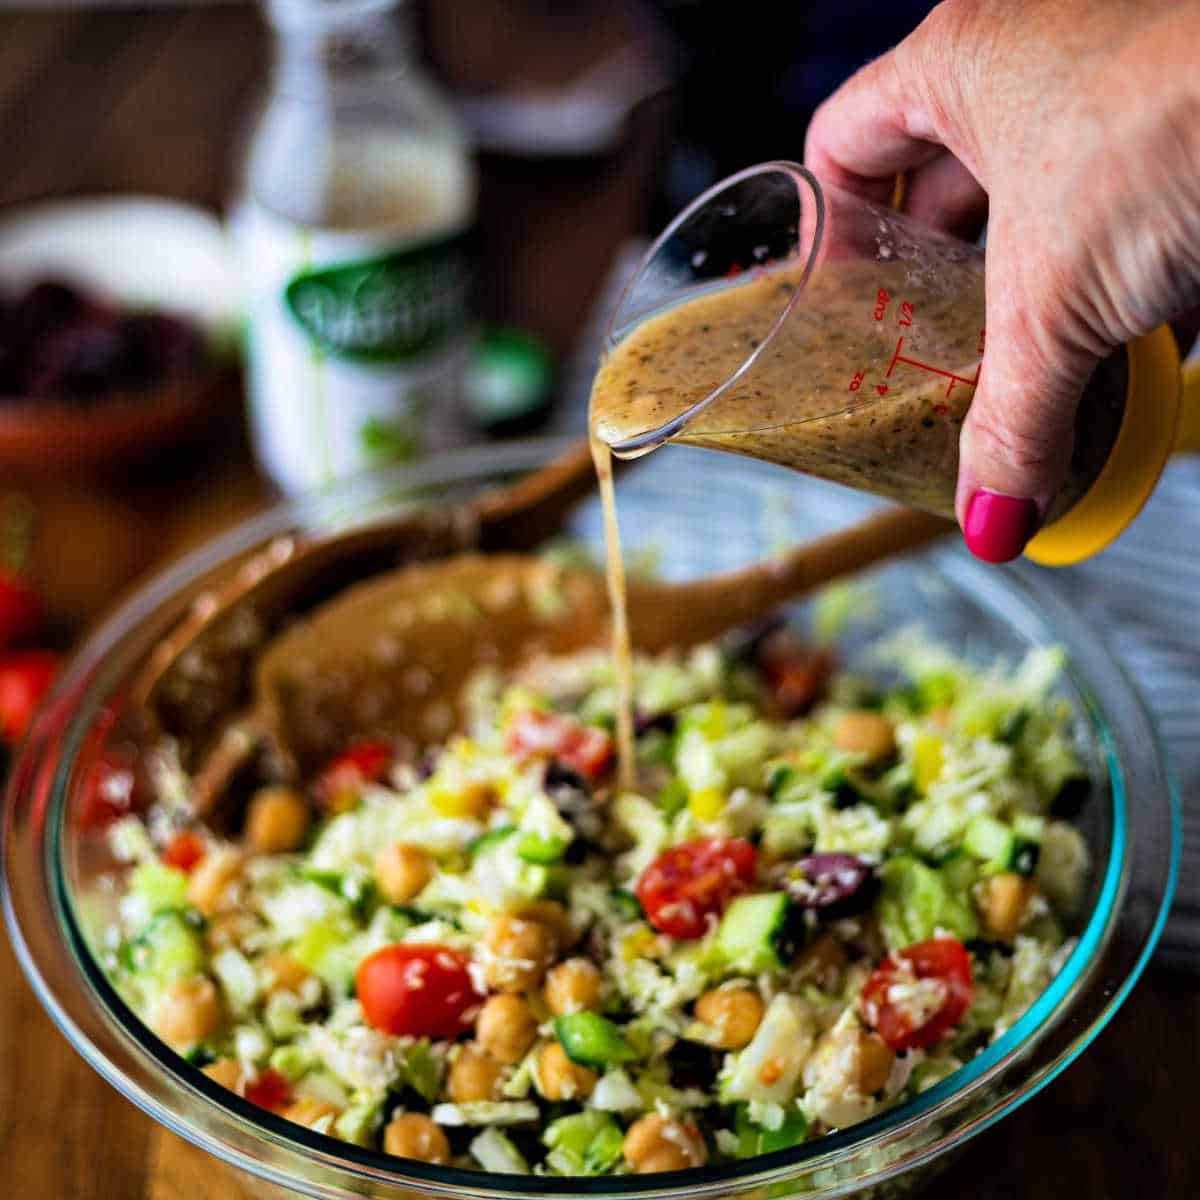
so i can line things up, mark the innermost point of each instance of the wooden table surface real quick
(121, 101)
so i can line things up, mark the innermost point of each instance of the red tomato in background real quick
(417, 991)
(184, 851)
(270, 1090)
(687, 887)
(20, 609)
(110, 790)
(796, 674)
(944, 960)
(588, 751)
(367, 761)
(25, 677)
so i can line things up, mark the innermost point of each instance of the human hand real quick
(1075, 125)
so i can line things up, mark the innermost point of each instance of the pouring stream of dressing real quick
(621, 647)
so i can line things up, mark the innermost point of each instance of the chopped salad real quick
(826, 895)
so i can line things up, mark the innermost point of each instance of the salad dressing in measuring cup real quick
(788, 321)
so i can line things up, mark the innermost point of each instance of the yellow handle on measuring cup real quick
(1162, 415)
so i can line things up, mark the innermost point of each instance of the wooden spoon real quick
(201, 671)
(390, 657)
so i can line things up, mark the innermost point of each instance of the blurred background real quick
(588, 123)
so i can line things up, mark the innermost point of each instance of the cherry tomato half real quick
(20, 609)
(923, 1020)
(270, 1090)
(25, 677)
(687, 887)
(184, 851)
(366, 761)
(417, 991)
(588, 751)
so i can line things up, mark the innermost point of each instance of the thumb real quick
(1017, 438)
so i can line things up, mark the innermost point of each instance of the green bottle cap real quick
(509, 380)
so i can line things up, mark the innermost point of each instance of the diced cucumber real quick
(358, 1123)
(755, 1139)
(696, 762)
(592, 1040)
(999, 846)
(988, 839)
(168, 949)
(162, 888)
(539, 882)
(916, 902)
(757, 933)
(960, 872)
(585, 1143)
(543, 851)
(494, 1151)
(292, 1062)
(604, 1151)
(493, 837)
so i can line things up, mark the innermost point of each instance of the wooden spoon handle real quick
(697, 611)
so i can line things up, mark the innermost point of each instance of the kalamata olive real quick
(574, 800)
(663, 722)
(832, 885)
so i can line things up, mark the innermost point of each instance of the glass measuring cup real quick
(787, 320)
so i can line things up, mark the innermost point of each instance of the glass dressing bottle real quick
(356, 198)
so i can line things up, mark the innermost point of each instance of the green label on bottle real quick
(387, 308)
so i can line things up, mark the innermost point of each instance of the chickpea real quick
(517, 953)
(1004, 901)
(553, 915)
(210, 883)
(506, 1027)
(402, 871)
(309, 1111)
(732, 1013)
(188, 1011)
(284, 973)
(416, 1136)
(849, 1059)
(473, 1075)
(228, 929)
(277, 820)
(657, 1143)
(227, 1072)
(866, 733)
(561, 1079)
(573, 986)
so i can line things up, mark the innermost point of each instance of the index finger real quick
(872, 129)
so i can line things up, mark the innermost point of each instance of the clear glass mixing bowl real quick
(697, 512)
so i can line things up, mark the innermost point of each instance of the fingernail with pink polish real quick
(998, 526)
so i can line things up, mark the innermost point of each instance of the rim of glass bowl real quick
(1133, 898)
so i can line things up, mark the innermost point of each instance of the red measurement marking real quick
(882, 388)
(881, 303)
(857, 381)
(982, 335)
(897, 357)
(906, 313)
